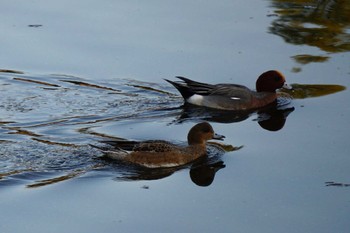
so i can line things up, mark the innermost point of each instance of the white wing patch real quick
(235, 98)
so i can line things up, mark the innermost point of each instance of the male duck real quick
(159, 153)
(231, 96)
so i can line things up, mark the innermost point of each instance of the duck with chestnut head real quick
(226, 96)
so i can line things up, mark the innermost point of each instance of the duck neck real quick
(263, 98)
(195, 141)
(197, 150)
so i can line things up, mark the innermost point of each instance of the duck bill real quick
(286, 86)
(218, 137)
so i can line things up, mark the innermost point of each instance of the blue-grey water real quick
(75, 73)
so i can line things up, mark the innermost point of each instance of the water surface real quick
(71, 76)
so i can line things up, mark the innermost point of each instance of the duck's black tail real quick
(184, 90)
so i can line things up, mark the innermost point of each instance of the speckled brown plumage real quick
(160, 153)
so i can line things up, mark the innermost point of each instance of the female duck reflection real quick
(202, 171)
(165, 158)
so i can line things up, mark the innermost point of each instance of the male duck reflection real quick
(159, 153)
(231, 96)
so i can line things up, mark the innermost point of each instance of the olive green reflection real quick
(306, 58)
(302, 91)
(324, 24)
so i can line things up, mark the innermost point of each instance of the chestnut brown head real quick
(270, 81)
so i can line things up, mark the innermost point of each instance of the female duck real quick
(159, 153)
(231, 96)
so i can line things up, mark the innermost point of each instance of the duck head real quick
(270, 81)
(202, 132)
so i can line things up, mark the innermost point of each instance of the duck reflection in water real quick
(272, 117)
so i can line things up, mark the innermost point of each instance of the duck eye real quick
(277, 78)
(206, 130)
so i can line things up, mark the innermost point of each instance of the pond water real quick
(75, 73)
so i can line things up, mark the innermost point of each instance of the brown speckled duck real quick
(159, 153)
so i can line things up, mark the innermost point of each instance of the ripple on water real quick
(30, 161)
(45, 127)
